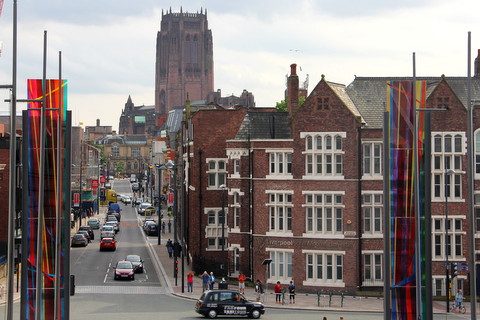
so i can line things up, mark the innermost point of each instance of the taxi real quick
(227, 302)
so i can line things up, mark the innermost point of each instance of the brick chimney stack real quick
(292, 90)
(476, 65)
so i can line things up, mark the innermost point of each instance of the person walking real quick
(458, 298)
(211, 281)
(190, 281)
(291, 291)
(241, 283)
(169, 226)
(205, 280)
(163, 227)
(259, 289)
(170, 248)
(278, 292)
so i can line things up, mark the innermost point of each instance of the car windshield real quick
(124, 265)
(145, 205)
(78, 236)
(107, 228)
(133, 258)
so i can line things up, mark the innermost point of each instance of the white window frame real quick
(135, 152)
(323, 156)
(214, 171)
(368, 162)
(373, 281)
(115, 150)
(453, 233)
(318, 266)
(236, 167)
(476, 212)
(279, 164)
(373, 205)
(281, 267)
(236, 210)
(477, 153)
(454, 157)
(280, 212)
(316, 219)
(213, 229)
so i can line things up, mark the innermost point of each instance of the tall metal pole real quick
(386, 223)
(12, 172)
(159, 222)
(470, 188)
(418, 260)
(223, 227)
(447, 243)
(58, 216)
(175, 212)
(81, 166)
(41, 189)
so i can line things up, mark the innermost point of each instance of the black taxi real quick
(227, 302)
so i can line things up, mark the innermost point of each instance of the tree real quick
(282, 105)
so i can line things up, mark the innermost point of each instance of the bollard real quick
(330, 298)
(72, 284)
(341, 303)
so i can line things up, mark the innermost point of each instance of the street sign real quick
(76, 199)
(95, 184)
(463, 266)
(170, 199)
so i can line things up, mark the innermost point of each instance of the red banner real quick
(102, 179)
(95, 184)
(76, 199)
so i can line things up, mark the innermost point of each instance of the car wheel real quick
(255, 314)
(212, 314)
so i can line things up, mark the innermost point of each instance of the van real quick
(133, 178)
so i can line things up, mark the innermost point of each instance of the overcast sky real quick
(108, 46)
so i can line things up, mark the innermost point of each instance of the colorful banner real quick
(401, 139)
(55, 113)
(1, 7)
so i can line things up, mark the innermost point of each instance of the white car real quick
(142, 207)
(107, 232)
(114, 224)
(126, 199)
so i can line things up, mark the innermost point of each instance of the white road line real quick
(146, 277)
(109, 265)
(105, 280)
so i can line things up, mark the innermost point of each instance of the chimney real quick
(98, 122)
(476, 65)
(292, 90)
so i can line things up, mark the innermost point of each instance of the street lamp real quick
(160, 167)
(448, 173)
(224, 190)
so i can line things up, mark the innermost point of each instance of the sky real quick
(108, 46)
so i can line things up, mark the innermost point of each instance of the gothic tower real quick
(184, 59)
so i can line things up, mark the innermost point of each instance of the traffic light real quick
(454, 269)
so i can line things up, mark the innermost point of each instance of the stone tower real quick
(184, 59)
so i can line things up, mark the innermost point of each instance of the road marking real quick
(146, 276)
(105, 280)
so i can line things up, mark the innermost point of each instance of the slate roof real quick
(369, 94)
(340, 91)
(135, 139)
(265, 125)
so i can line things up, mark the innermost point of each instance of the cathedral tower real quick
(184, 59)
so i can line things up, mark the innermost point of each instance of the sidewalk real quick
(307, 301)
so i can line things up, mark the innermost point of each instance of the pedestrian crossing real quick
(119, 290)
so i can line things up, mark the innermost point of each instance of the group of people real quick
(169, 224)
(208, 281)
(279, 291)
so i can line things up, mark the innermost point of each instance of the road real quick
(98, 296)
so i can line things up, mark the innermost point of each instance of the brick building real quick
(304, 188)
(137, 119)
(184, 59)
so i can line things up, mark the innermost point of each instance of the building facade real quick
(137, 119)
(184, 59)
(93, 133)
(304, 188)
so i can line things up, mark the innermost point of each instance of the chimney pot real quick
(293, 69)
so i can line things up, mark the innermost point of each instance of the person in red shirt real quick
(278, 292)
(241, 283)
(190, 281)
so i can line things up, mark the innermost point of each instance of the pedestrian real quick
(169, 226)
(291, 291)
(205, 280)
(190, 282)
(459, 298)
(278, 292)
(211, 281)
(259, 289)
(241, 283)
(170, 248)
(163, 227)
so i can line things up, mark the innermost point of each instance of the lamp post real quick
(224, 189)
(160, 168)
(448, 173)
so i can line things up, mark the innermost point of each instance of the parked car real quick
(79, 240)
(127, 200)
(89, 230)
(114, 224)
(142, 207)
(108, 244)
(124, 270)
(136, 261)
(227, 302)
(94, 223)
(85, 233)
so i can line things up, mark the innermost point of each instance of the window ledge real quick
(282, 280)
(372, 236)
(279, 177)
(234, 230)
(323, 236)
(372, 283)
(449, 200)
(235, 176)
(279, 234)
(323, 284)
(322, 177)
(442, 259)
(372, 177)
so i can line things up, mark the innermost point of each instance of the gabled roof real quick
(340, 91)
(369, 94)
(265, 125)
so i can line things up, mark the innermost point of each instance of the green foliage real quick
(282, 105)
(119, 167)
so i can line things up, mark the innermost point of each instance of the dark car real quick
(227, 302)
(151, 229)
(136, 261)
(89, 230)
(85, 233)
(124, 270)
(79, 240)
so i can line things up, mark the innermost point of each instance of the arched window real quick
(309, 143)
(328, 143)
(338, 143)
(319, 142)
